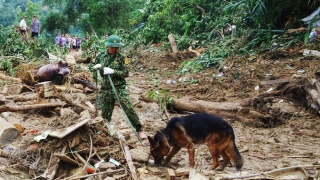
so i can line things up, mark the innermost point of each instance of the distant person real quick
(74, 43)
(57, 40)
(313, 34)
(68, 42)
(35, 27)
(78, 44)
(106, 36)
(23, 26)
(63, 40)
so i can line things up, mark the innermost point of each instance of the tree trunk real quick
(235, 110)
(223, 109)
(173, 43)
(8, 133)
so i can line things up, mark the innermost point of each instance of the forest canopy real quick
(157, 17)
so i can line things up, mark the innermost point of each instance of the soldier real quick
(116, 65)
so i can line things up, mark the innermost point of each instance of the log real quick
(307, 52)
(224, 109)
(22, 97)
(8, 78)
(234, 110)
(8, 132)
(5, 108)
(173, 43)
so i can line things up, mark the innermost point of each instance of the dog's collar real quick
(158, 144)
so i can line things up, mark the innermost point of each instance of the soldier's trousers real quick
(108, 100)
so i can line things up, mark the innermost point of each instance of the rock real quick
(198, 176)
(85, 115)
(8, 132)
(12, 117)
(106, 165)
(77, 172)
(126, 133)
(140, 156)
(142, 148)
(2, 99)
(52, 72)
(154, 170)
(185, 78)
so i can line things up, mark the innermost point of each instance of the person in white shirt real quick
(23, 25)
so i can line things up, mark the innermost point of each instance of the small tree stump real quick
(173, 43)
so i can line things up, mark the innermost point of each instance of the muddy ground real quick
(292, 140)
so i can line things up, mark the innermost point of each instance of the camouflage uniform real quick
(120, 65)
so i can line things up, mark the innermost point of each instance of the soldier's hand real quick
(97, 66)
(107, 70)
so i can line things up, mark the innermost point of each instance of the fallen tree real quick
(11, 108)
(258, 110)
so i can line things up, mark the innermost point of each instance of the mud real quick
(291, 141)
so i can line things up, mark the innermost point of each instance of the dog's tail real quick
(234, 154)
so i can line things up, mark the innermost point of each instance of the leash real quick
(97, 96)
(124, 113)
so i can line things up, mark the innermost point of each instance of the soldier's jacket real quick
(119, 63)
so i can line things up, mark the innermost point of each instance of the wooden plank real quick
(61, 134)
(170, 174)
(277, 81)
(130, 162)
(47, 85)
(66, 159)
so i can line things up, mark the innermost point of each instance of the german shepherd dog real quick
(186, 131)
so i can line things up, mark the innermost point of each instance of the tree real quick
(99, 15)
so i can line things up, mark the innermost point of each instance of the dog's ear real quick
(152, 142)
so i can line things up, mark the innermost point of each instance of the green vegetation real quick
(162, 97)
(196, 23)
